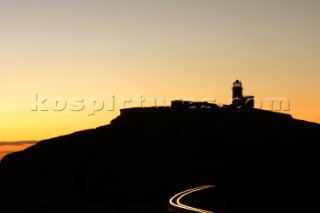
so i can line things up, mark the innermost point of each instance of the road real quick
(176, 199)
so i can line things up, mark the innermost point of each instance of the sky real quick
(60, 60)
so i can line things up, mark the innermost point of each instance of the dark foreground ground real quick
(259, 161)
(288, 196)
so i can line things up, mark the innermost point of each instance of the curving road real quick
(176, 199)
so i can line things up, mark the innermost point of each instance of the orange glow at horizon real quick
(7, 149)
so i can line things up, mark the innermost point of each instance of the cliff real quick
(146, 155)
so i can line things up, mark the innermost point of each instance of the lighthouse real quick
(237, 89)
(239, 101)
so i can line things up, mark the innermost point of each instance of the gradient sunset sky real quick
(88, 49)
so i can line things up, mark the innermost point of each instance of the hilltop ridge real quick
(164, 150)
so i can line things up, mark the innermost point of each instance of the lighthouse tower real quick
(239, 101)
(237, 89)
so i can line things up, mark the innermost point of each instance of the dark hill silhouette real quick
(259, 161)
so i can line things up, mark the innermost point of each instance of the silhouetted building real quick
(237, 89)
(190, 105)
(240, 101)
